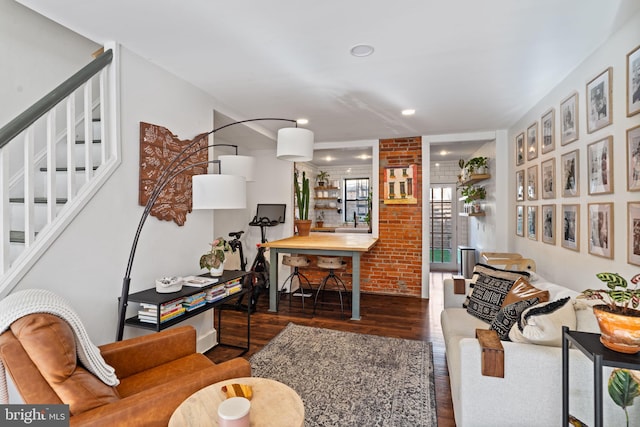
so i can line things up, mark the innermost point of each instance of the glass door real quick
(442, 227)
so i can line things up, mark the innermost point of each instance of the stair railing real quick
(31, 145)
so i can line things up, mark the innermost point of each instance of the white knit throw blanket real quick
(30, 301)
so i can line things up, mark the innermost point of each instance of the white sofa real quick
(530, 394)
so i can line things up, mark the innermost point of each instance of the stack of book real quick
(216, 292)
(233, 286)
(194, 301)
(148, 313)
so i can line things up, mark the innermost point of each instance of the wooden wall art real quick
(158, 147)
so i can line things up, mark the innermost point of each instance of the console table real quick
(589, 344)
(340, 244)
(150, 296)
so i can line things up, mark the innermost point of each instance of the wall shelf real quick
(475, 178)
(471, 214)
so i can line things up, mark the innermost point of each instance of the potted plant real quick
(477, 165)
(320, 219)
(322, 178)
(618, 317)
(624, 387)
(214, 259)
(303, 224)
(471, 193)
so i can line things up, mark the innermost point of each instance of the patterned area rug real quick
(350, 379)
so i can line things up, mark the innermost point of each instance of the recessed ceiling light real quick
(408, 112)
(302, 121)
(361, 50)
(444, 152)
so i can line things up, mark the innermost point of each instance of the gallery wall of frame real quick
(568, 163)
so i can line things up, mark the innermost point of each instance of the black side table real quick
(589, 344)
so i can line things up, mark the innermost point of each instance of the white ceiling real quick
(464, 66)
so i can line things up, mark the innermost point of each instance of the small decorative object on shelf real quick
(322, 178)
(214, 259)
(320, 219)
(168, 285)
(618, 317)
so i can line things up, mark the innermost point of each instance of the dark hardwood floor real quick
(391, 316)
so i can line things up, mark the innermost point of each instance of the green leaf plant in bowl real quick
(617, 316)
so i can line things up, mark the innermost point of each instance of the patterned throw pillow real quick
(489, 287)
(508, 315)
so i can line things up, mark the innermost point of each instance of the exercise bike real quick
(258, 280)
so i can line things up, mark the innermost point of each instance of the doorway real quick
(442, 227)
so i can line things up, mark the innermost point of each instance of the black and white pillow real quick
(542, 324)
(488, 288)
(509, 315)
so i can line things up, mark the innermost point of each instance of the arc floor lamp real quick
(214, 191)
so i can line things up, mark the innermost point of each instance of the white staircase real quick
(54, 165)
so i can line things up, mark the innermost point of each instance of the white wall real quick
(87, 263)
(578, 269)
(37, 55)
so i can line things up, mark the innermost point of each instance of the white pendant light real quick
(238, 165)
(295, 144)
(211, 191)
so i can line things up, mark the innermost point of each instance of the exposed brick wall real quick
(394, 266)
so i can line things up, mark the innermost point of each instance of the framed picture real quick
(520, 185)
(532, 183)
(532, 141)
(633, 82)
(549, 224)
(548, 178)
(520, 149)
(548, 131)
(599, 102)
(601, 229)
(571, 227)
(633, 233)
(633, 159)
(532, 221)
(570, 173)
(600, 161)
(569, 119)
(520, 220)
(400, 185)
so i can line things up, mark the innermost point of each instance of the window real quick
(356, 194)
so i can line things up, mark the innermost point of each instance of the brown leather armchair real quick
(157, 372)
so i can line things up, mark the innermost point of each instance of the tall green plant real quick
(302, 195)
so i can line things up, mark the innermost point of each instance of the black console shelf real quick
(150, 296)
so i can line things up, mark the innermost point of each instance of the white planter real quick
(217, 272)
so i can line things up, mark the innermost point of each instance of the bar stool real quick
(332, 264)
(297, 261)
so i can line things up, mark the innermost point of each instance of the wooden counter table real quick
(329, 244)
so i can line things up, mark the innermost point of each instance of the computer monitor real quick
(275, 212)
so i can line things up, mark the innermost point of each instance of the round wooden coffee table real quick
(273, 404)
